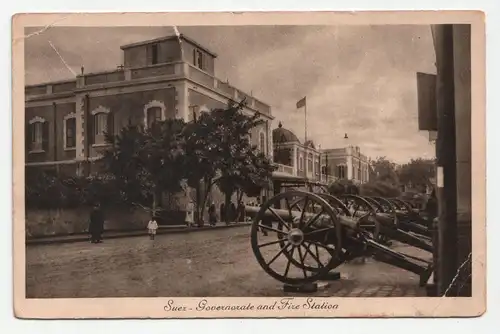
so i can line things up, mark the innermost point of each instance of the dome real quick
(282, 135)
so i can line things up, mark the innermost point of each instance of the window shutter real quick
(27, 135)
(110, 124)
(45, 136)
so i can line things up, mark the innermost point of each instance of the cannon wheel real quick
(357, 203)
(403, 205)
(294, 237)
(337, 204)
(378, 207)
(388, 206)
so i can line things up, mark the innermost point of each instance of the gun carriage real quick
(316, 233)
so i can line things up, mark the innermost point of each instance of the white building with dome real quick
(314, 165)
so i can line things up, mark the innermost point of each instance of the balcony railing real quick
(285, 169)
(210, 81)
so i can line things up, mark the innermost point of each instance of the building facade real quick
(346, 163)
(295, 158)
(325, 166)
(170, 77)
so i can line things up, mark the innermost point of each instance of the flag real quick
(301, 103)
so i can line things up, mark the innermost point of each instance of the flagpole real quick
(305, 122)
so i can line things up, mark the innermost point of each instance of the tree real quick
(379, 188)
(385, 171)
(342, 186)
(418, 172)
(146, 163)
(200, 151)
(238, 163)
(255, 176)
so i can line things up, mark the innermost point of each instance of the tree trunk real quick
(198, 216)
(240, 196)
(155, 201)
(208, 187)
(227, 212)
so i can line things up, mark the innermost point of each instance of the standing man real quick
(96, 226)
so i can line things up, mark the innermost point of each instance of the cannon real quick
(385, 225)
(312, 234)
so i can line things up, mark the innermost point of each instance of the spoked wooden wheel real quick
(402, 205)
(357, 205)
(389, 207)
(337, 204)
(378, 207)
(305, 239)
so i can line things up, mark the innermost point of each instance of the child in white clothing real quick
(152, 227)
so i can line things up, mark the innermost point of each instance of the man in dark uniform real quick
(96, 226)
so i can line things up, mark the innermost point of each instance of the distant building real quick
(347, 163)
(326, 166)
(66, 120)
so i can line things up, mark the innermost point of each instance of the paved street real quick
(208, 263)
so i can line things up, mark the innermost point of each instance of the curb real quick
(85, 238)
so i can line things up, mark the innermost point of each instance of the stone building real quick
(164, 78)
(170, 77)
(347, 163)
(321, 165)
(297, 159)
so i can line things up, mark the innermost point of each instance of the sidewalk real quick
(171, 229)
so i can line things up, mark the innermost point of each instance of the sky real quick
(359, 80)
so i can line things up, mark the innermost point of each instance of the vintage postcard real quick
(213, 165)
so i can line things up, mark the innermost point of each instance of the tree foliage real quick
(343, 186)
(239, 165)
(146, 162)
(48, 190)
(385, 171)
(379, 188)
(418, 172)
(212, 149)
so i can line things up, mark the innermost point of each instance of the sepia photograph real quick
(304, 163)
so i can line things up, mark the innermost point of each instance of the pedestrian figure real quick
(241, 212)
(212, 214)
(190, 214)
(152, 227)
(96, 225)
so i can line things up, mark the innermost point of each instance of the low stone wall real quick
(40, 223)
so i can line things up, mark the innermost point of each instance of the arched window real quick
(69, 131)
(102, 124)
(154, 111)
(153, 115)
(262, 142)
(301, 163)
(37, 134)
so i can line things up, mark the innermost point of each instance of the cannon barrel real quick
(309, 234)
(285, 215)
